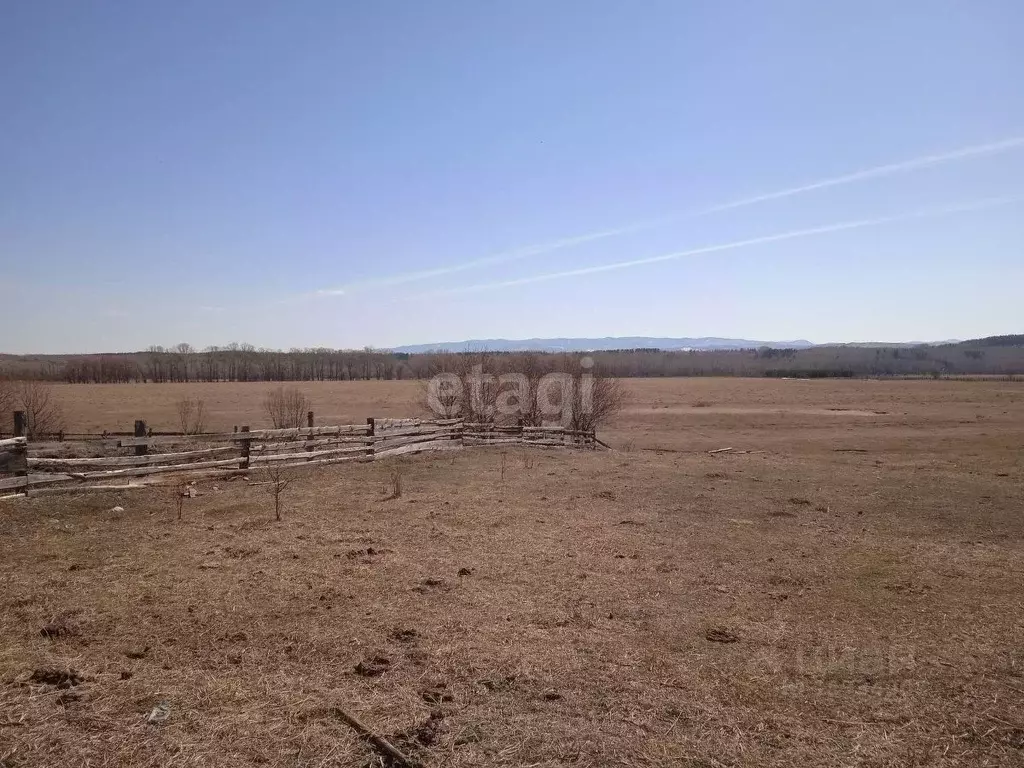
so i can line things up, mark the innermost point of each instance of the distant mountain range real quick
(597, 345)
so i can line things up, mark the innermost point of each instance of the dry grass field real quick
(845, 587)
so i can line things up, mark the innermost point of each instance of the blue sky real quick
(299, 174)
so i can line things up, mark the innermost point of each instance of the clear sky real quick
(378, 173)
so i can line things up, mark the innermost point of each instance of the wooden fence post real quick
(309, 437)
(21, 463)
(371, 431)
(244, 463)
(140, 431)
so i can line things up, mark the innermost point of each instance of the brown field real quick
(846, 587)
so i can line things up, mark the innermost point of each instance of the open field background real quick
(850, 592)
(696, 412)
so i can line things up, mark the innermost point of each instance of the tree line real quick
(244, 362)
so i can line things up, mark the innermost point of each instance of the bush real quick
(43, 413)
(596, 400)
(286, 407)
(7, 400)
(191, 415)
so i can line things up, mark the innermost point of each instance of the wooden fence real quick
(145, 455)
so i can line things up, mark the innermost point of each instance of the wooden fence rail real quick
(245, 450)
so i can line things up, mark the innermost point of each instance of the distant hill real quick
(598, 345)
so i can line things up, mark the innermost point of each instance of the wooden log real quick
(13, 442)
(142, 471)
(132, 461)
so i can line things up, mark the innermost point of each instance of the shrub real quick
(191, 415)
(286, 407)
(596, 402)
(43, 412)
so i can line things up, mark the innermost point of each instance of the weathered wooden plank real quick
(142, 471)
(132, 442)
(495, 441)
(296, 445)
(443, 445)
(13, 482)
(396, 423)
(297, 432)
(14, 442)
(256, 460)
(32, 492)
(319, 462)
(256, 434)
(28, 480)
(430, 429)
(384, 443)
(132, 461)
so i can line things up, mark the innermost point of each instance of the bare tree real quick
(186, 357)
(8, 397)
(286, 407)
(180, 492)
(43, 412)
(532, 367)
(280, 478)
(463, 386)
(191, 415)
(596, 399)
(396, 482)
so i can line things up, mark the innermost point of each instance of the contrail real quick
(874, 173)
(792, 235)
(498, 258)
(880, 171)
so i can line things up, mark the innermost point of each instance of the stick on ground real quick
(374, 738)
